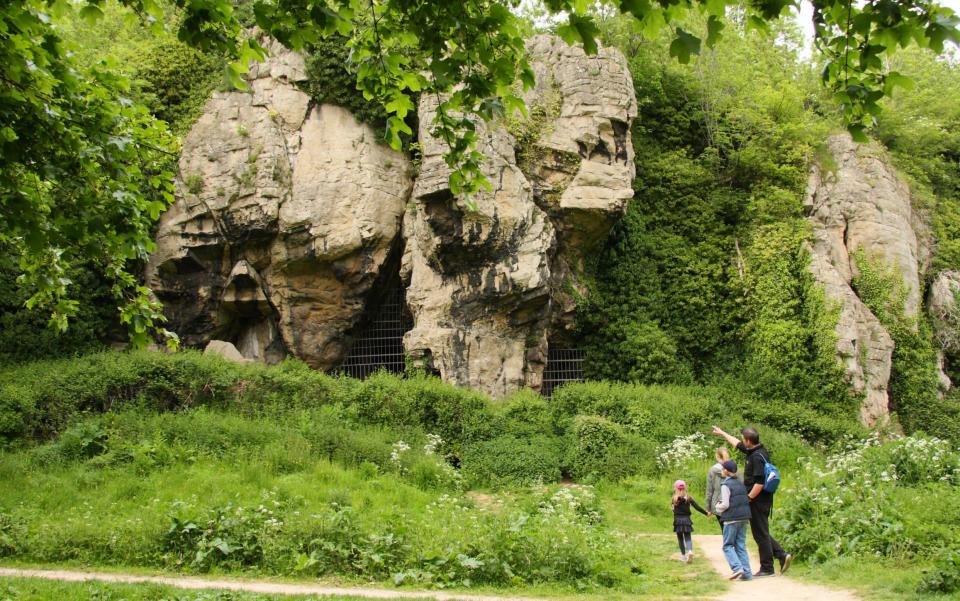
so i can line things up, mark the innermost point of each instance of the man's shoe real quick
(785, 563)
(736, 575)
(762, 574)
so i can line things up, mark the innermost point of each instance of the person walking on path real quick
(761, 501)
(682, 522)
(733, 509)
(714, 478)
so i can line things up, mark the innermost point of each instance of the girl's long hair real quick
(678, 494)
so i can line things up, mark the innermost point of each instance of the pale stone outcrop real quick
(285, 215)
(864, 206)
(945, 318)
(489, 281)
(226, 350)
(288, 213)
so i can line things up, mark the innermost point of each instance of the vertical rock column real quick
(863, 207)
(487, 287)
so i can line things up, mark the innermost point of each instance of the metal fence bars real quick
(378, 343)
(563, 365)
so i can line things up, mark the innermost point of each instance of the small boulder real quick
(226, 350)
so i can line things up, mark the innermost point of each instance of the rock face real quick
(863, 207)
(288, 215)
(489, 284)
(285, 216)
(945, 318)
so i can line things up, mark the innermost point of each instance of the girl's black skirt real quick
(682, 523)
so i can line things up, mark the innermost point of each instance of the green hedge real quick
(588, 430)
(513, 461)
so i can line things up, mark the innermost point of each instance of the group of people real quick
(735, 504)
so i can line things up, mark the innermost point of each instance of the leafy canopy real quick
(84, 171)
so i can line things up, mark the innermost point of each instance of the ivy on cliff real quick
(706, 277)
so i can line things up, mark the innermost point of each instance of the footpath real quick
(781, 588)
(708, 548)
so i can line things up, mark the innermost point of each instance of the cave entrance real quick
(564, 364)
(378, 337)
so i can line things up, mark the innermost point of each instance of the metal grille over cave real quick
(563, 365)
(378, 344)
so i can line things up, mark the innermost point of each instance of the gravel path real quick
(781, 588)
(708, 548)
(249, 586)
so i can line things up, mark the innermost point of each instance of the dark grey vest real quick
(739, 509)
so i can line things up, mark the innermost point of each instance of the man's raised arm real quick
(731, 439)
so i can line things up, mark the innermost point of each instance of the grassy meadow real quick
(181, 463)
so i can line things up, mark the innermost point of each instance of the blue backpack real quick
(771, 476)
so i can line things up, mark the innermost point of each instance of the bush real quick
(599, 448)
(457, 415)
(525, 413)
(512, 461)
(873, 499)
(944, 577)
(658, 413)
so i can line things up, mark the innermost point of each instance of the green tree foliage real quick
(84, 171)
(24, 334)
(707, 274)
(170, 78)
(921, 127)
(914, 393)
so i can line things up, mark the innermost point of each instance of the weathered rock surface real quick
(945, 318)
(226, 350)
(287, 214)
(284, 217)
(487, 287)
(863, 207)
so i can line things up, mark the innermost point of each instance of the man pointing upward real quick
(761, 501)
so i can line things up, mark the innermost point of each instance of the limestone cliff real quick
(285, 214)
(289, 214)
(487, 285)
(863, 206)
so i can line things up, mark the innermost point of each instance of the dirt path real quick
(250, 586)
(781, 588)
(708, 548)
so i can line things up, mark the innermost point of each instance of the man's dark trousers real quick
(760, 527)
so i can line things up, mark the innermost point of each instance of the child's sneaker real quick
(685, 558)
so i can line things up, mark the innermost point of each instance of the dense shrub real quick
(513, 461)
(656, 412)
(457, 415)
(525, 413)
(176, 80)
(600, 448)
(945, 575)
(873, 499)
(41, 399)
